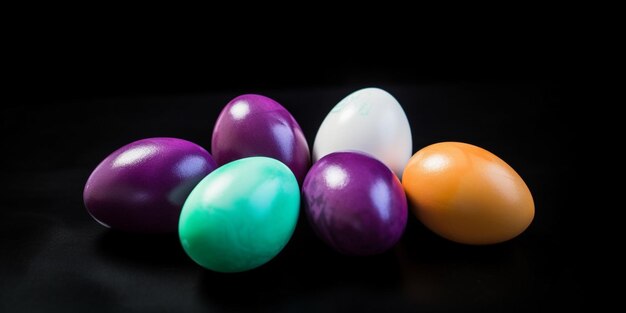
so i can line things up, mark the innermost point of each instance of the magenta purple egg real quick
(255, 125)
(354, 203)
(142, 186)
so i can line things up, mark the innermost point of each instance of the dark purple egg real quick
(142, 186)
(254, 125)
(355, 203)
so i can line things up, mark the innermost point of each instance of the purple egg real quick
(142, 186)
(254, 125)
(355, 203)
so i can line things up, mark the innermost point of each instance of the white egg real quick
(368, 120)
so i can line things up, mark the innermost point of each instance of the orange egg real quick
(467, 194)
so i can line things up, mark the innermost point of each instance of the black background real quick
(69, 107)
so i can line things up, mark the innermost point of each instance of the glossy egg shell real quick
(255, 125)
(240, 216)
(467, 194)
(142, 186)
(355, 203)
(369, 120)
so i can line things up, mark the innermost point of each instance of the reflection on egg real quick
(355, 203)
(467, 194)
(142, 186)
(368, 120)
(240, 216)
(254, 125)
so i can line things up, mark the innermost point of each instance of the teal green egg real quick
(241, 215)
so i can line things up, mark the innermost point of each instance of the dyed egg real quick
(467, 194)
(240, 216)
(369, 120)
(142, 186)
(355, 203)
(254, 125)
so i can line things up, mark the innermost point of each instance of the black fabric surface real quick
(55, 258)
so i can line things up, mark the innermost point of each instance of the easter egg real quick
(368, 120)
(142, 186)
(354, 203)
(467, 194)
(241, 215)
(254, 125)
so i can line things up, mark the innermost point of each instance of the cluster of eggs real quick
(236, 209)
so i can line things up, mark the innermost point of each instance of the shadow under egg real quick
(154, 250)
